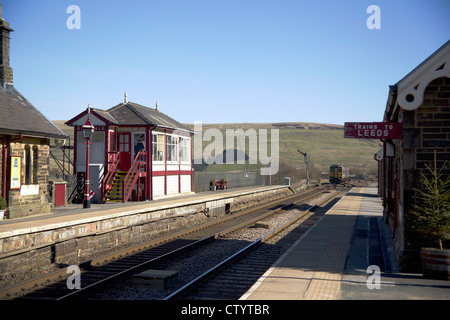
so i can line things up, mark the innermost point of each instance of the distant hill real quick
(325, 144)
(64, 128)
(280, 125)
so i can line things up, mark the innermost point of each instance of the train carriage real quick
(338, 173)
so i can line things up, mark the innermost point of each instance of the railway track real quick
(100, 272)
(234, 276)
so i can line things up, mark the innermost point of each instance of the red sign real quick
(373, 130)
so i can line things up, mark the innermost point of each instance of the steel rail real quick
(134, 269)
(61, 274)
(203, 277)
(131, 270)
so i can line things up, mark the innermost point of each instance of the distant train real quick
(338, 173)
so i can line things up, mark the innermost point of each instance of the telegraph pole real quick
(364, 171)
(307, 160)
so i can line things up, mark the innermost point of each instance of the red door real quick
(125, 150)
(60, 194)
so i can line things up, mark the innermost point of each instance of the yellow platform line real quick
(325, 285)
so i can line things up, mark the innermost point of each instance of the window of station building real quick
(185, 150)
(172, 148)
(30, 164)
(139, 142)
(139, 145)
(124, 142)
(157, 147)
(35, 165)
(112, 141)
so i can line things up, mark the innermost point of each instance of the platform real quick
(330, 261)
(71, 235)
(75, 213)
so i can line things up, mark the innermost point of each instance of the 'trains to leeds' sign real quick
(373, 130)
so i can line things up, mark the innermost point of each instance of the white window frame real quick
(158, 148)
(185, 150)
(172, 148)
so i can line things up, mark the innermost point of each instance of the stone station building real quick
(25, 136)
(421, 102)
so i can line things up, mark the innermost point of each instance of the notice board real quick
(373, 130)
(16, 172)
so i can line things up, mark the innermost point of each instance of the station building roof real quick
(130, 114)
(408, 92)
(19, 116)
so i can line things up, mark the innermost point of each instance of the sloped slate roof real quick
(130, 113)
(19, 116)
(106, 116)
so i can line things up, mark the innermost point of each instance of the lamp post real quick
(88, 132)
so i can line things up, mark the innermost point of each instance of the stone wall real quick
(2, 142)
(433, 120)
(32, 198)
(425, 130)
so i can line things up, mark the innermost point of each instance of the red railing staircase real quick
(118, 185)
(109, 184)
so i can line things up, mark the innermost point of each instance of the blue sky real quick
(221, 61)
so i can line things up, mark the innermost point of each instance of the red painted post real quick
(87, 200)
(88, 132)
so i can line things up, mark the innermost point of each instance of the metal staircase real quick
(118, 185)
(77, 194)
(114, 191)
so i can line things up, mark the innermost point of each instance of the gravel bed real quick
(198, 261)
(41, 271)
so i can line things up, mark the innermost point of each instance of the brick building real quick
(421, 102)
(25, 136)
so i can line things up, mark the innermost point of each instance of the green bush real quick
(2, 204)
(430, 216)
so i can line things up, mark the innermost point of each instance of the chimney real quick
(6, 72)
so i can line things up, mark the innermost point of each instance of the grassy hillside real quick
(66, 129)
(324, 142)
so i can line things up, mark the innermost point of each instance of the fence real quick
(234, 179)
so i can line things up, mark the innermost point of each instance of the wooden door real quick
(125, 150)
(60, 194)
